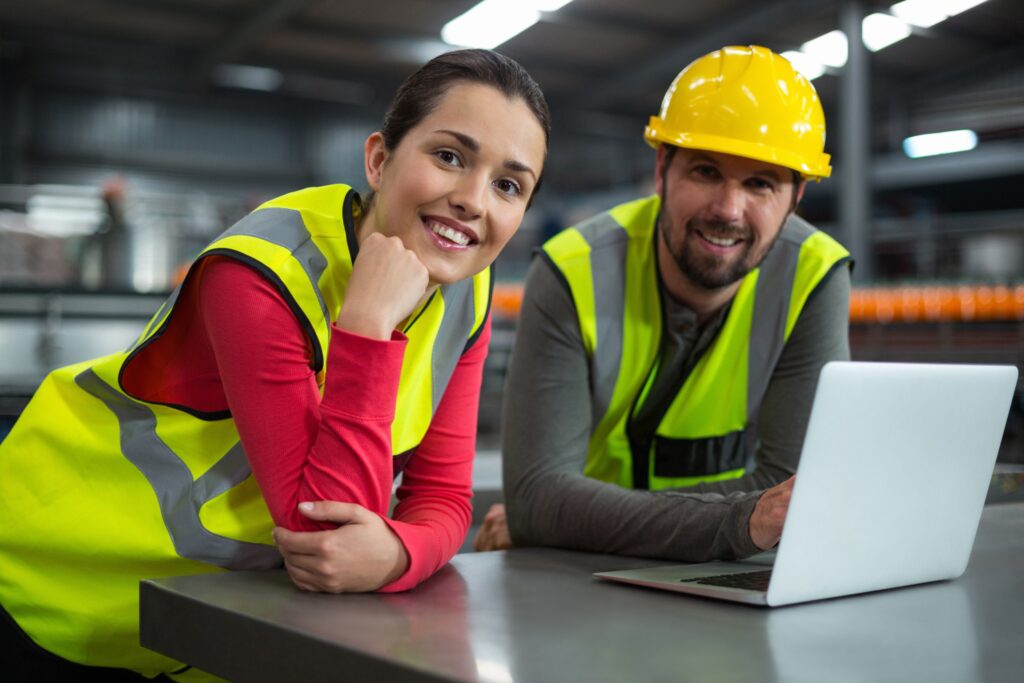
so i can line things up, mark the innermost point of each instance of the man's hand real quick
(493, 534)
(361, 555)
(770, 514)
(387, 282)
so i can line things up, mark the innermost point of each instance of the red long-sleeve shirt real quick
(234, 344)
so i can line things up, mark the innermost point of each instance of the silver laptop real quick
(889, 492)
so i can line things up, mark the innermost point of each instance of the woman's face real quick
(456, 187)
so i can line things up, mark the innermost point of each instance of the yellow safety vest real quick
(708, 432)
(99, 490)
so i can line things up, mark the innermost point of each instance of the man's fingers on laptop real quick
(770, 514)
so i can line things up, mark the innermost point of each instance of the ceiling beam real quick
(967, 73)
(245, 37)
(572, 15)
(658, 71)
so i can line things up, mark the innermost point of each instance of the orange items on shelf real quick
(937, 303)
(507, 299)
(911, 303)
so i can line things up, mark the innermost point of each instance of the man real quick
(668, 350)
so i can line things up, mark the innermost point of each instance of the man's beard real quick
(711, 272)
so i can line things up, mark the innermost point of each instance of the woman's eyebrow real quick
(472, 145)
(466, 140)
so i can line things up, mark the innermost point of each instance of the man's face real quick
(721, 213)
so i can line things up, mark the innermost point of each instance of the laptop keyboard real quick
(756, 581)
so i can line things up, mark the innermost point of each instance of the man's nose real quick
(728, 203)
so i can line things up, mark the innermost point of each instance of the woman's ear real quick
(374, 156)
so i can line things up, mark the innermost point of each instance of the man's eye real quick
(761, 185)
(706, 171)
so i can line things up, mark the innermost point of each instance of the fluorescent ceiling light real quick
(923, 13)
(882, 30)
(492, 22)
(926, 13)
(829, 49)
(805, 64)
(248, 77)
(940, 143)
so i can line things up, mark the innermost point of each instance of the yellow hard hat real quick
(746, 101)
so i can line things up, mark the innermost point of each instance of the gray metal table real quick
(537, 615)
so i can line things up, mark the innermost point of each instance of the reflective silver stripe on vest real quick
(179, 496)
(456, 325)
(771, 309)
(768, 326)
(284, 227)
(609, 244)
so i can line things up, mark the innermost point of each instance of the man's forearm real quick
(571, 511)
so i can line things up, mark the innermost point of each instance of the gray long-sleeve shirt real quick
(547, 422)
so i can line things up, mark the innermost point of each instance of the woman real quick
(325, 372)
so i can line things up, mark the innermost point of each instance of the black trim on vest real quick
(398, 462)
(845, 261)
(271, 276)
(307, 325)
(483, 323)
(699, 457)
(349, 222)
(430, 299)
(561, 277)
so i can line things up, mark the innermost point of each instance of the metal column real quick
(855, 143)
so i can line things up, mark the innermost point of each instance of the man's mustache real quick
(720, 229)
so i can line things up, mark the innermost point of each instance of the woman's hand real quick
(387, 282)
(361, 555)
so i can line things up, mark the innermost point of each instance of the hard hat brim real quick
(655, 135)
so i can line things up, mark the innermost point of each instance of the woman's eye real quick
(448, 157)
(509, 187)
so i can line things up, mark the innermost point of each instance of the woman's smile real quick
(450, 234)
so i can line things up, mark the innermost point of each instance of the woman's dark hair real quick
(421, 92)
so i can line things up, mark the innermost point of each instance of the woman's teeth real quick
(450, 234)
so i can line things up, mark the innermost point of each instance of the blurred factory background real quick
(132, 131)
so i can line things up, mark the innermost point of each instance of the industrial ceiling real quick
(604, 64)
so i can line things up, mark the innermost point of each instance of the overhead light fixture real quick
(805, 64)
(830, 49)
(882, 30)
(247, 77)
(934, 144)
(878, 30)
(927, 13)
(490, 23)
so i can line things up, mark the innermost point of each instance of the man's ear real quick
(374, 156)
(659, 169)
(799, 190)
